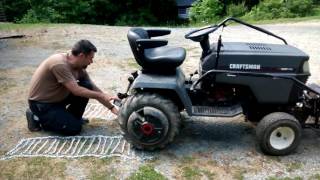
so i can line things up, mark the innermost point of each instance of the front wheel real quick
(149, 121)
(278, 133)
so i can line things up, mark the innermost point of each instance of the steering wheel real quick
(199, 34)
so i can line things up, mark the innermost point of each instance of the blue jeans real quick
(63, 117)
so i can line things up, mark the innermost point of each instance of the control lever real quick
(122, 95)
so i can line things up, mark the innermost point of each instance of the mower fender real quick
(173, 82)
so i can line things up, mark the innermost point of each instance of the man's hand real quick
(104, 97)
(114, 98)
(105, 100)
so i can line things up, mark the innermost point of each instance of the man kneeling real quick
(60, 90)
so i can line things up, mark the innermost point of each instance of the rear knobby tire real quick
(278, 133)
(162, 106)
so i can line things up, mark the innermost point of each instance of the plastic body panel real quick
(175, 82)
(263, 58)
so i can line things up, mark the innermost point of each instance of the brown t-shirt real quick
(46, 82)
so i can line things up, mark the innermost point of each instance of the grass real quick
(133, 64)
(314, 177)
(20, 26)
(239, 174)
(98, 174)
(261, 22)
(208, 174)
(7, 26)
(145, 173)
(252, 21)
(283, 20)
(271, 159)
(293, 166)
(99, 169)
(14, 26)
(191, 173)
(187, 160)
(49, 168)
(191, 168)
(194, 172)
(32, 168)
(284, 178)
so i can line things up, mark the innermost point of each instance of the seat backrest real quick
(133, 35)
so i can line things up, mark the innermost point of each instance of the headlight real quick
(306, 67)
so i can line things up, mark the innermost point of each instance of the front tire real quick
(149, 121)
(278, 133)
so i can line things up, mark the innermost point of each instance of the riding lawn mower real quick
(264, 82)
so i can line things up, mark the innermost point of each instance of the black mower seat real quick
(165, 56)
(153, 54)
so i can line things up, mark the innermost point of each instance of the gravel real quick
(230, 143)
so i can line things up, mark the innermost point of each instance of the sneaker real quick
(33, 121)
(84, 121)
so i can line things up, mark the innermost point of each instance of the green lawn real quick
(14, 26)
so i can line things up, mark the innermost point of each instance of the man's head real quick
(84, 51)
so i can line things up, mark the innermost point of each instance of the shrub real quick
(206, 10)
(143, 18)
(29, 17)
(271, 9)
(299, 7)
(128, 12)
(268, 9)
(14, 10)
(236, 10)
(40, 15)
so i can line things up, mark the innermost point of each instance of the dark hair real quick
(83, 46)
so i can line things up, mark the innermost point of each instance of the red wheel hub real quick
(147, 128)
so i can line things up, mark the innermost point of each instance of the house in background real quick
(183, 8)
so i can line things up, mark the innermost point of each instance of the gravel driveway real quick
(226, 148)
